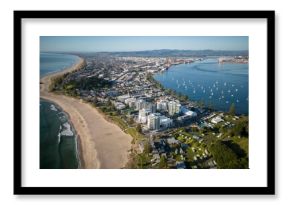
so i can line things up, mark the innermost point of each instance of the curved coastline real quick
(101, 144)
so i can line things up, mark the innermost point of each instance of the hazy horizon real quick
(141, 43)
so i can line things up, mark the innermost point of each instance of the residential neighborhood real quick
(168, 129)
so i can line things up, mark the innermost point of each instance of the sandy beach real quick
(103, 144)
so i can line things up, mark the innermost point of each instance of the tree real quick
(131, 121)
(147, 148)
(189, 154)
(201, 103)
(224, 156)
(142, 161)
(163, 163)
(232, 110)
(139, 128)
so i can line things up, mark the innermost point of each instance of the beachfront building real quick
(119, 105)
(140, 104)
(130, 102)
(174, 107)
(143, 114)
(153, 121)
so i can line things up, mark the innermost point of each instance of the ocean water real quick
(58, 145)
(58, 140)
(217, 85)
(52, 62)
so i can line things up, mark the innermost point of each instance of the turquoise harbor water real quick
(217, 85)
(58, 140)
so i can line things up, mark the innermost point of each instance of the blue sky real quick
(141, 43)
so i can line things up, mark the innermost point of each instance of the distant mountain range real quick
(180, 53)
(166, 53)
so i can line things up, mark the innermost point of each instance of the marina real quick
(210, 83)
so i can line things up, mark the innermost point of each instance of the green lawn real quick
(120, 122)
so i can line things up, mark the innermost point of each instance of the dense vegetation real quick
(92, 83)
(229, 155)
(241, 128)
(70, 86)
(56, 82)
(232, 110)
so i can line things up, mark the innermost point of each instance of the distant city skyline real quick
(140, 43)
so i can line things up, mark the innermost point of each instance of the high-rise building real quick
(177, 108)
(174, 107)
(162, 105)
(140, 104)
(151, 107)
(143, 113)
(153, 121)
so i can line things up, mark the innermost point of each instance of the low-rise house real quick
(217, 119)
(180, 165)
(119, 105)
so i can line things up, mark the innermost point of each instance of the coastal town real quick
(168, 129)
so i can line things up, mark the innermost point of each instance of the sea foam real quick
(67, 130)
(53, 108)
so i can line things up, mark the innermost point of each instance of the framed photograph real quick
(144, 102)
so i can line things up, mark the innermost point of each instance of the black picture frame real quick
(268, 190)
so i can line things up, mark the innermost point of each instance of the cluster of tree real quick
(241, 128)
(226, 158)
(56, 82)
(150, 78)
(69, 86)
(92, 83)
(232, 110)
(163, 163)
(139, 128)
(142, 160)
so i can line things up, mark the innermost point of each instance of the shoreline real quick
(79, 155)
(101, 144)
